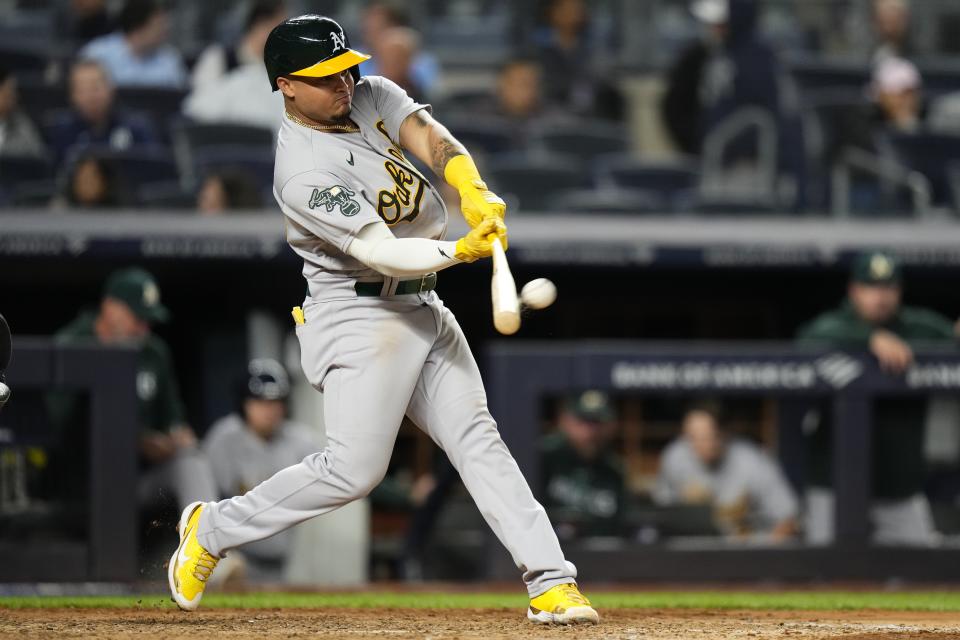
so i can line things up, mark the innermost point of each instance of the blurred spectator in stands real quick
(574, 64)
(79, 21)
(891, 27)
(171, 460)
(251, 444)
(379, 16)
(583, 483)
(518, 101)
(874, 319)
(895, 105)
(231, 85)
(217, 60)
(18, 134)
(520, 90)
(93, 119)
(90, 184)
(896, 90)
(733, 72)
(728, 68)
(138, 54)
(395, 51)
(228, 190)
(748, 492)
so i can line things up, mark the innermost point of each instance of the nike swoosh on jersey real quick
(350, 159)
(442, 253)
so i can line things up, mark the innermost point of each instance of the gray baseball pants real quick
(377, 359)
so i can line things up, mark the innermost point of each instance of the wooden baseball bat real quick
(506, 304)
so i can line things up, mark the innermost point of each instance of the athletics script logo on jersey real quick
(335, 196)
(401, 201)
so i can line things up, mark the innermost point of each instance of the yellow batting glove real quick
(479, 242)
(476, 201)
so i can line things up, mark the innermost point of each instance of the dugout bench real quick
(520, 374)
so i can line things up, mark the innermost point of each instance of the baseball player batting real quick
(374, 336)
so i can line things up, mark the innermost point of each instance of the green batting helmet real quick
(312, 46)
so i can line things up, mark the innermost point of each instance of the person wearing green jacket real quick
(583, 481)
(873, 319)
(170, 458)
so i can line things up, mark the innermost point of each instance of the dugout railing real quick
(107, 551)
(520, 375)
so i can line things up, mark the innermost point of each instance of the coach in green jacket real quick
(171, 461)
(583, 482)
(873, 319)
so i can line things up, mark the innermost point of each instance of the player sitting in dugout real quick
(748, 492)
(873, 319)
(583, 484)
(250, 444)
(169, 456)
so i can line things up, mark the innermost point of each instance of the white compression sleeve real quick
(377, 247)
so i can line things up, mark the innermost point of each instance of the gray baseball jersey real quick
(745, 473)
(331, 185)
(378, 358)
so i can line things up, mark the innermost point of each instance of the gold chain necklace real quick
(328, 128)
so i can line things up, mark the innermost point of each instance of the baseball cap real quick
(592, 406)
(136, 288)
(711, 11)
(266, 379)
(875, 267)
(895, 75)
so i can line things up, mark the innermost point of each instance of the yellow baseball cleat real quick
(562, 604)
(191, 564)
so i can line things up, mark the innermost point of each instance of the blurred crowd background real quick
(839, 106)
(759, 109)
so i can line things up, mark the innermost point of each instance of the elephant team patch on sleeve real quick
(335, 196)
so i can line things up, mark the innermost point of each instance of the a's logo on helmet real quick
(151, 294)
(338, 42)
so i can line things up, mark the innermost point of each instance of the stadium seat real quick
(626, 201)
(161, 104)
(940, 76)
(25, 181)
(202, 135)
(198, 144)
(22, 59)
(165, 195)
(534, 179)
(673, 181)
(931, 154)
(812, 76)
(251, 159)
(15, 169)
(586, 140)
(135, 167)
(457, 103)
(38, 99)
(488, 135)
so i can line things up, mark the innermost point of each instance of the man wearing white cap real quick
(896, 90)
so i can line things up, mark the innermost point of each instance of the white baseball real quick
(538, 294)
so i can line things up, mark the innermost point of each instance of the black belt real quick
(404, 287)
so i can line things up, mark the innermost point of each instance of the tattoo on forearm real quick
(443, 149)
(443, 146)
